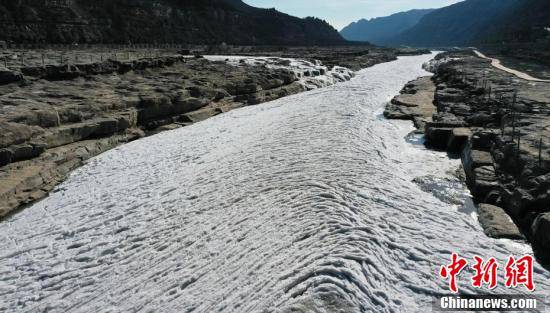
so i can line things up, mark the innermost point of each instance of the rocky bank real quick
(55, 116)
(499, 125)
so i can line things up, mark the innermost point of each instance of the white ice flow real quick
(304, 204)
(311, 74)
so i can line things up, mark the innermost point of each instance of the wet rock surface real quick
(500, 126)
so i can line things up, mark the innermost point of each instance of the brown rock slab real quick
(496, 223)
(202, 114)
(415, 101)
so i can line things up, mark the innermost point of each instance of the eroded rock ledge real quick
(500, 126)
(415, 103)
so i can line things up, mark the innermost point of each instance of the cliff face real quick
(157, 21)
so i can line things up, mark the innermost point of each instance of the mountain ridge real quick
(378, 30)
(158, 21)
(460, 24)
(503, 26)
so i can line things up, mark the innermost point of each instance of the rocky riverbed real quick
(56, 113)
(499, 125)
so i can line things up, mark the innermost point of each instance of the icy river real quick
(306, 204)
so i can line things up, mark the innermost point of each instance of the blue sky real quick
(340, 13)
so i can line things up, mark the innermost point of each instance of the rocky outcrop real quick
(161, 21)
(480, 173)
(72, 71)
(415, 102)
(500, 126)
(8, 76)
(496, 223)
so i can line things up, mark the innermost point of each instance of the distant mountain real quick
(456, 25)
(527, 21)
(157, 21)
(379, 30)
(501, 24)
(523, 32)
